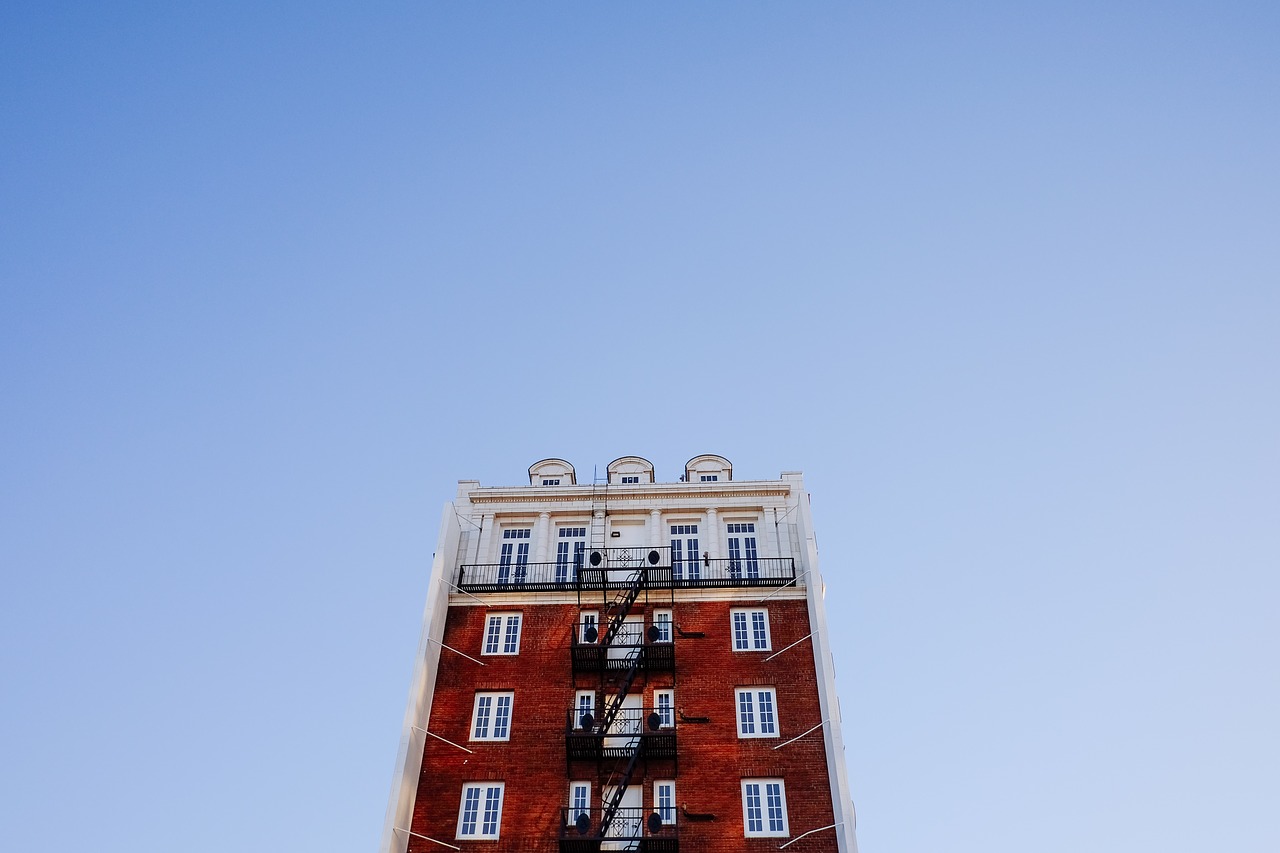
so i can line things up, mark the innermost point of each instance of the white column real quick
(771, 531)
(655, 528)
(711, 542)
(542, 537)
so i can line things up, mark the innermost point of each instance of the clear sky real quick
(1002, 278)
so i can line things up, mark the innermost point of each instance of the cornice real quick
(618, 495)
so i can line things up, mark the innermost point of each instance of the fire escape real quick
(622, 738)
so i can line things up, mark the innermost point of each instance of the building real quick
(624, 665)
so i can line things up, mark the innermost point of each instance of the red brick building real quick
(624, 665)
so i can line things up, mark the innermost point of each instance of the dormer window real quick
(708, 468)
(552, 472)
(630, 470)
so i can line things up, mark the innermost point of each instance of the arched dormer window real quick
(630, 470)
(708, 468)
(552, 472)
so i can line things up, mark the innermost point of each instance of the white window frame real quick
(750, 639)
(686, 553)
(708, 478)
(668, 814)
(669, 718)
(514, 548)
(492, 709)
(574, 809)
(664, 634)
(482, 806)
(585, 618)
(754, 708)
(571, 550)
(765, 817)
(629, 479)
(551, 481)
(578, 706)
(504, 622)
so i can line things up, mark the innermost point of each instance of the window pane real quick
(768, 725)
(512, 642)
(502, 718)
(493, 801)
(492, 634)
(775, 806)
(755, 822)
(483, 707)
(471, 804)
(746, 714)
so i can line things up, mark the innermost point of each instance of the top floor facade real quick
(705, 530)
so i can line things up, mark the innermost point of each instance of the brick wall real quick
(712, 758)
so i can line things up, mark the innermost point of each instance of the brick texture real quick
(712, 759)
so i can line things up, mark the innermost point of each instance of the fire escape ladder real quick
(620, 784)
(624, 687)
(621, 605)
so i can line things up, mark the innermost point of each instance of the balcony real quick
(630, 829)
(752, 571)
(616, 658)
(633, 730)
(599, 569)
(618, 568)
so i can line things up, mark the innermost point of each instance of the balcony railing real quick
(616, 568)
(626, 648)
(651, 731)
(722, 572)
(631, 829)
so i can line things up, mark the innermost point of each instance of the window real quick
(664, 800)
(587, 619)
(480, 815)
(709, 478)
(764, 807)
(684, 552)
(742, 550)
(571, 545)
(585, 704)
(579, 800)
(757, 712)
(662, 621)
(663, 703)
(554, 482)
(502, 634)
(491, 719)
(631, 479)
(514, 555)
(750, 630)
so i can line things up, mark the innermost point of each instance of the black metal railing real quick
(651, 731)
(627, 648)
(630, 829)
(617, 569)
(731, 571)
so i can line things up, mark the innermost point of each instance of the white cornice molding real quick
(642, 494)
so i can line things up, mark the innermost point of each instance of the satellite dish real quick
(583, 823)
(586, 720)
(590, 634)
(654, 557)
(653, 633)
(596, 558)
(655, 823)
(655, 722)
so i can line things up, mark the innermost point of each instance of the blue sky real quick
(1001, 278)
